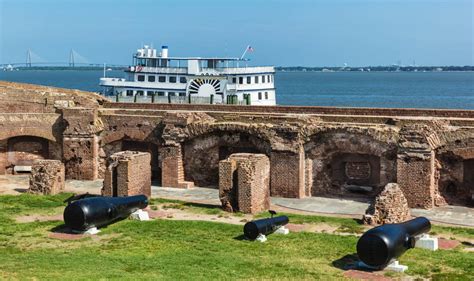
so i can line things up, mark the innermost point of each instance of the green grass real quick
(175, 250)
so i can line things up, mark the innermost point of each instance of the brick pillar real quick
(80, 155)
(3, 156)
(416, 178)
(244, 181)
(128, 173)
(287, 174)
(172, 170)
(80, 144)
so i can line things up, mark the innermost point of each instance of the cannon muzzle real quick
(380, 245)
(263, 226)
(100, 211)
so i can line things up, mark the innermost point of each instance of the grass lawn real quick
(169, 249)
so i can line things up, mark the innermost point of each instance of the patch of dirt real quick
(365, 275)
(33, 218)
(66, 236)
(319, 228)
(446, 244)
(177, 214)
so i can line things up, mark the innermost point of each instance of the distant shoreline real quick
(290, 68)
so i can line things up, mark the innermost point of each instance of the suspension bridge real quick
(75, 60)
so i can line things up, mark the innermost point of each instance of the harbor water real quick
(453, 90)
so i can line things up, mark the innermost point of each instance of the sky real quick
(282, 33)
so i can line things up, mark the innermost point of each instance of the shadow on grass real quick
(347, 262)
(62, 228)
(241, 237)
(202, 205)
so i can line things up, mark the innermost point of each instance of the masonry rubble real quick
(47, 177)
(390, 206)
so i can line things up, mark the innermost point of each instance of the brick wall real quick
(415, 176)
(287, 174)
(299, 109)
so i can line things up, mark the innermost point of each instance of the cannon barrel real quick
(100, 211)
(380, 245)
(263, 226)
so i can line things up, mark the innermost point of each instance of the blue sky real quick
(288, 33)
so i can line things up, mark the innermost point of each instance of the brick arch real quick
(202, 152)
(455, 172)
(32, 132)
(339, 161)
(22, 150)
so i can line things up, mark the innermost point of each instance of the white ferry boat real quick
(160, 78)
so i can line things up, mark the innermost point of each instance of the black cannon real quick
(264, 226)
(382, 244)
(97, 211)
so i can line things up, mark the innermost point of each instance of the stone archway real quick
(201, 154)
(348, 164)
(18, 153)
(455, 175)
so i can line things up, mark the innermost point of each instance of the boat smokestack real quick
(164, 51)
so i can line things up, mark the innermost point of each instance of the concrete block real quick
(282, 230)
(140, 215)
(261, 238)
(425, 241)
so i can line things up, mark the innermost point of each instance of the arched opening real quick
(349, 165)
(201, 154)
(132, 145)
(23, 151)
(456, 179)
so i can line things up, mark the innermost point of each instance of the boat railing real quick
(162, 99)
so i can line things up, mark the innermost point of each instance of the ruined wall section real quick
(28, 98)
(80, 143)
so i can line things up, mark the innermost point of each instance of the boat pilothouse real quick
(213, 79)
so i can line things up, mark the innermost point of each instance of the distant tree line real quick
(377, 68)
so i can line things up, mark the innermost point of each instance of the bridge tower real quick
(71, 58)
(28, 58)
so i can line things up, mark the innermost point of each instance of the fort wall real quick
(313, 151)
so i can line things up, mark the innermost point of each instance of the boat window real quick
(259, 95)
(266, 95)
(149, 93)
(182, 79)
(139, 93)
(182, 94)
(256, 79)
(129, 92)
(151, 78)
(234, 80)
(172, 94)
(162, 79)
(161, 94)
(241, 80)
(248, 79)
(141, 78)
(263, 78)
(172, 79)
